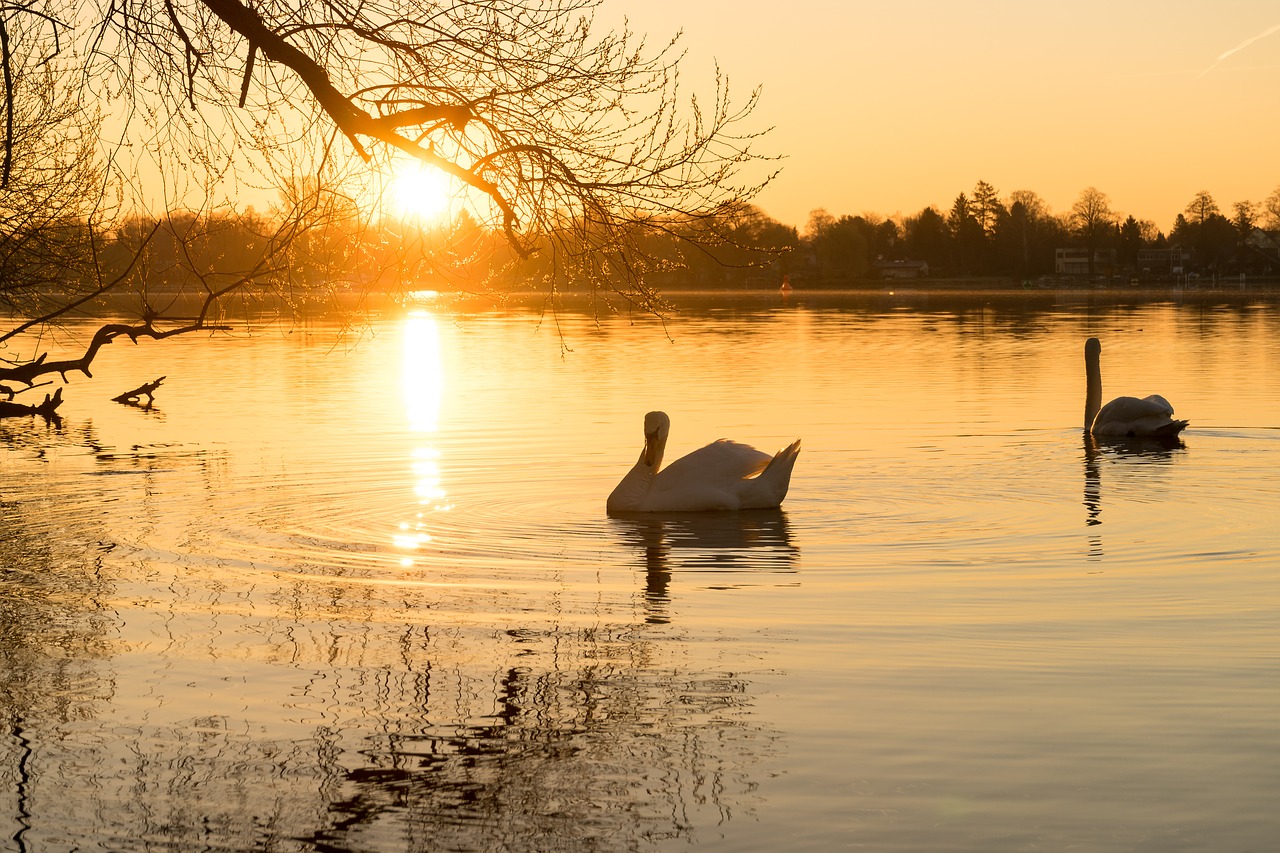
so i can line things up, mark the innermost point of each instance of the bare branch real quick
(577, 155)
(6, 62)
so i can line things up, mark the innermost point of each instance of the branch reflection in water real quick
(53, 638)
(350, 717)
(571, 756)
(1098, 449)
(746, 542)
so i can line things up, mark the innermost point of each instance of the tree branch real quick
(6, 60)
(353, 121)
(68, 307)
(106, 334)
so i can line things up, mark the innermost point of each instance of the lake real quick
(353, 588)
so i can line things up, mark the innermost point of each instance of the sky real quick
(889, 107)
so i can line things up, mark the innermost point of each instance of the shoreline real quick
(967, 291)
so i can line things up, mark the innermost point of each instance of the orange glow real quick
(1144, 80)
(422, 193)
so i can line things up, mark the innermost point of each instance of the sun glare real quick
(422, 192)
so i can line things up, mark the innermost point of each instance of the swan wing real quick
(709, 478)
(1134, 416)
(723, 460)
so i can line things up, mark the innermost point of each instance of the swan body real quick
(724, 475)
(1124, 416)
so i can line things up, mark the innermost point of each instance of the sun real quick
(422, 192)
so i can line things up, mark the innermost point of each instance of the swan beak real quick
(650, 448)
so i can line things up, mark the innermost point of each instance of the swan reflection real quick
(749, 541)
(1098, 449)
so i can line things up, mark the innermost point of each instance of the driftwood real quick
(134, 397)
(47, 409)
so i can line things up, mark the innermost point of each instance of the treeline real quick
(334, 250)
(1020, 237)
(308, 255)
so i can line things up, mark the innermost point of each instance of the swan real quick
(724, 475)
(1127, 416)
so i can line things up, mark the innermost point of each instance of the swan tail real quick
(769, 489)
(1171, 429)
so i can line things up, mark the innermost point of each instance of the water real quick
(357, 591)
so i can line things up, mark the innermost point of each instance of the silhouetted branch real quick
(46, 409)
(355, 122)
(6, 62)
(65, 308)
(575, 138)
(134, 397)
(105, 335)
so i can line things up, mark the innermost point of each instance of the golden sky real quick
(888, 107)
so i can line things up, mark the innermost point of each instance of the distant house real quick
(1258, 254)
(1172, 260)
(901, 269)
(1266, 241)
(1076, 261)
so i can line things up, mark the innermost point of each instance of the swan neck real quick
(654, 448)
(629, 495)
(1093, 387)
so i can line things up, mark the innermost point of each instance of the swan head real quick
(657, 426)
(629, 494)
(1092, 348)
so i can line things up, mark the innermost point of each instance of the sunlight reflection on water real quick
(367, 593)
(423, 394)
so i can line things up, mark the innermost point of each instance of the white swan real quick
(1127, 416)
(724, 475)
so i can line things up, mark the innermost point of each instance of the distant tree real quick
(1201, 208)
(755, 240)
(1026, 235)
(880, 234)
(820, 220)
(966, 235)
(757, 233)
(927, 238)
(1131, 243)
(1271, 210)
(1217, 243)
(1150, 233)
(1212, 240)
(986, 208)
(1092, 221)
(1037, 209)
(838, 246)
(987, 211)
(887, 238)
(1181, 232)
(1246, 218)
(1212, 236)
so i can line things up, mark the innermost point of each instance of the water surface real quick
(357, 590)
